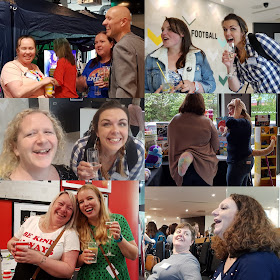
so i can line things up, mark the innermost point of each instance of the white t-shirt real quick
(41, 241)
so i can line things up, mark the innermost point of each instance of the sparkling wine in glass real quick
(110, 237)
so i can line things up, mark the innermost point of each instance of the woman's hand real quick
(86, 171)
(81, 83)
(115, 229)
(101, 84)
(187, 86)
(87, 256)
(13, 247)
(26, 255)
(228, 59)
(273, 138)
(49, 80)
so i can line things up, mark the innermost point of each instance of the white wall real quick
(200, 15)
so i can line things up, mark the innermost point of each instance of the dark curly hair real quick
(193, 103)
(250, 231)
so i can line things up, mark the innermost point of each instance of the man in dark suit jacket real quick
(127, 72)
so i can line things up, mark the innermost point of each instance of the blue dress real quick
(251, 266)
(91, 75)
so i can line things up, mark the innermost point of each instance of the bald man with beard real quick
(127, 72)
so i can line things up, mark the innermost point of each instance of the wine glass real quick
(97, 90)
(110, 236)
(93, 159)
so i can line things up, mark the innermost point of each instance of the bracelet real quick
(43, 259)
(231, 74)
(120, 239)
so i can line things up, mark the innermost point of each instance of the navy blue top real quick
(252, 266)
(239, 139)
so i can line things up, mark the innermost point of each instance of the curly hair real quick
(83, 226)
(9, 161)
(112, 104)
(193, 103)
(250, 230)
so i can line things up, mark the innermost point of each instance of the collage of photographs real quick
(139, 140)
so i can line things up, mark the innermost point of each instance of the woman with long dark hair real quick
(186, 65)
(246, 62)
(95, 70)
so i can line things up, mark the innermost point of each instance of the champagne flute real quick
(93, 159)
(97, 90)
(110, 236)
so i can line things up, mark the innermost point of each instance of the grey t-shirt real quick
(177, 267)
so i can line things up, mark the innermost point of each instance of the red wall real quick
(6, 222)
(124, 200)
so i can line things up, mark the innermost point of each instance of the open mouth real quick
(216, 221)
(230, 40)
(60, 215)
(114, 140)
(89, 210)
(165, 39)
(42, 152)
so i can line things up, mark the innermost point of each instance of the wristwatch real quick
(120, 239)
(196, 84)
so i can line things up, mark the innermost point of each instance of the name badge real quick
(252, 61)
(165, 265)
(30, 76)
(111, 272)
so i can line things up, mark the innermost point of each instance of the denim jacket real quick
(196, 68)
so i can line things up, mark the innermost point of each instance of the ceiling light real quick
(213, 195)
(187, 210)
(164, 219)
(178, 218)
(156, 209)
(148, 217)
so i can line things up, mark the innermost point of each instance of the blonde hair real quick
(83, 226)
(8, 160)
(71, 223)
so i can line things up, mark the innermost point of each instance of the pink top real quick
(136, 116)
(15, 71)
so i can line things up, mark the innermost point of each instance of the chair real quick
(204, 257)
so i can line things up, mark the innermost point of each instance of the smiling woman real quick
(20, 78)
(95, 223)
(32, 140)
(41, 232)
(246, 240)
(182, 264)
(121, 157)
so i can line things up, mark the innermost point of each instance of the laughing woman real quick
(121, 156)
(246, 241)
(185, 63)
(32, 140)
(260, 69)
(91, 226)
(41, 232)
(182, 265)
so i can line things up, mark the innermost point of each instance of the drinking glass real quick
(106, 73)
(92, 245)
(166, 81)
(97, 90)
(110, 237)
(231, 49)
(93, 159)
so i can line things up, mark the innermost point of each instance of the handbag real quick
(47, 254)
(151, 261)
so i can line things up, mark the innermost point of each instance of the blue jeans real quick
(191, 178)
(238, 172)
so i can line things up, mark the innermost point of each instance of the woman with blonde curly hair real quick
(91, 226)
(246, 241)
(121, 156)
(65, 73)
(32, 140)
